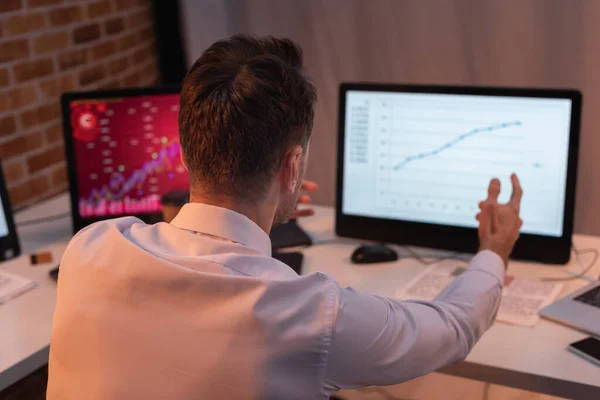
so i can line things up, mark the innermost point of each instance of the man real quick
(198, 309)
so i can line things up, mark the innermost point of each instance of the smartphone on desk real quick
(587, 348)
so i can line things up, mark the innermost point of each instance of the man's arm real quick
(380, 341)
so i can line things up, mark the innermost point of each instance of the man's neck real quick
(261, 214)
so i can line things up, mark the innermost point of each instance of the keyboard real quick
(289, 235)
(591, 297)
(292, 259)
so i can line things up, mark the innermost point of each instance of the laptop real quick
(9, 240)
(579, 310)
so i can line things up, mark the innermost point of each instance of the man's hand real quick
(307, 186)
(499, 224)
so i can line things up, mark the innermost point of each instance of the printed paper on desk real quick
(521, 300)
(12, 286)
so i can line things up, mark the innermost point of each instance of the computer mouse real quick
(369, 254)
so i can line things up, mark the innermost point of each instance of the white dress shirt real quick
(198, 309)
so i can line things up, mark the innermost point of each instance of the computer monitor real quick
(9, 240)
(414, 162)
(122, 150)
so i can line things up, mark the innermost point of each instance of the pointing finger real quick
(517, 193)
(309, 186)
(305, 212)
(493, 190)
(304, 199)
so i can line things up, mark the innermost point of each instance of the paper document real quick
(521, 299)
(12, 286)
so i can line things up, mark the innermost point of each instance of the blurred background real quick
(538, 43)
(51, 46)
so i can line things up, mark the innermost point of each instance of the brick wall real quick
(51, 46)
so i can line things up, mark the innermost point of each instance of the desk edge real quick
(523, 380)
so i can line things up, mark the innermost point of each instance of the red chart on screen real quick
(127, 154)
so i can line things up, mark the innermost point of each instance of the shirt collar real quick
(223, 223)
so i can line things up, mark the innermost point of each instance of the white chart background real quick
(429, 157)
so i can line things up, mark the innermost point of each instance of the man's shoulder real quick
(102, 231)
(317, 283)
(119, 224)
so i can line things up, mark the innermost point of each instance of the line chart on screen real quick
(430, 158)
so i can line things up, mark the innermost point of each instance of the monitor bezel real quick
(539, 248)
(9, 244)
(80, 222)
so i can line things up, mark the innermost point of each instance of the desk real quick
(26, 322)
(526, 358)
(532, 359)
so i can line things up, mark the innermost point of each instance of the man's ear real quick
(291, 169)
(183, 160)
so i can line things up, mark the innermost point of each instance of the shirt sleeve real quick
(381, 341)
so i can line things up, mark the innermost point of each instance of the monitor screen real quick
(3, 224)
(9, 240)
(428, 158)
(126, 153)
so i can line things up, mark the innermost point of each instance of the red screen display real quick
(127, 154)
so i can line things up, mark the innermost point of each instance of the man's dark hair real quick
(244, 102)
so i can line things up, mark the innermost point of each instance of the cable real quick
(421, 259)
(41, 220)
(486, 391)
(583, 269)
(430, 260)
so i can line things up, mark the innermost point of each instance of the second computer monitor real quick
(123, 152)
(414, 161)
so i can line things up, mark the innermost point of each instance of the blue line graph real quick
(455, 141)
